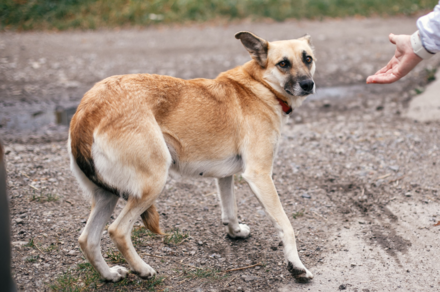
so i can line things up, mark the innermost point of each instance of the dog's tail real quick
(151, 220)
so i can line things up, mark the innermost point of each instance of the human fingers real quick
(382, 79)
(392, 37)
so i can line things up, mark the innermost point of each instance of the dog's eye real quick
(283, 64)
(309, 59)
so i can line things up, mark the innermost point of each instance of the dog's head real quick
(287, 66)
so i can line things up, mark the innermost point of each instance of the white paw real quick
(299, 272)
(147, 272)
(243, 231)
(117, 273)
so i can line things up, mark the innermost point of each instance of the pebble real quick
(248, 278)
(306, 196)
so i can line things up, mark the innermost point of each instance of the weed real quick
(41, 198)
(418, 90)
(115, 257)
(51, 197)
(50, 248)
(66, 282)
(430, 74)
(139, 232)
(298, 214)
(207, 273)
(33, 259)
(30, 243)
(175, 237)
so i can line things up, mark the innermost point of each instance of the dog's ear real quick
(256, 46)
(308, 38)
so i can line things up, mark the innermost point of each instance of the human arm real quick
(411, 50)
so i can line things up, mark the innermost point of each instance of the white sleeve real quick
(429, 30)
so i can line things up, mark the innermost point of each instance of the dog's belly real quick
(214, 168)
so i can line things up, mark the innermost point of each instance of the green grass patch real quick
(175, 237)
(430, 74)
(298, 214)
(115, 257)
(43, 197)
(139, 233)
(32, 259)
(85, 278)
(92, 14)
(30, 243)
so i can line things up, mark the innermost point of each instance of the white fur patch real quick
(111, 168)
(214, 168)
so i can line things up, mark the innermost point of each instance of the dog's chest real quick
(214, 168)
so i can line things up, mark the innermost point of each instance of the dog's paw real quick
(146, 273)
(117, 273)
(301, 274)
(243, 231)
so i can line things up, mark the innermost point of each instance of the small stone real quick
(248, 278)
(394, 168)
(19, 221)
(72, 252)
(342, 287)
(306, 196)
(274, 248)
(353, 265)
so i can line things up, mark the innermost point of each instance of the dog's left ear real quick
(256, 46)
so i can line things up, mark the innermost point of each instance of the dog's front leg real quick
(229, 209)
(262, 185)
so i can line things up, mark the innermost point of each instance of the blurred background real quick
(92, 14)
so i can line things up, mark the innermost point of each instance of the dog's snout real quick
(307, 85)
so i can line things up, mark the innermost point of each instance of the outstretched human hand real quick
(404, 60)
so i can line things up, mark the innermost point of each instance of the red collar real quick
(286, 108)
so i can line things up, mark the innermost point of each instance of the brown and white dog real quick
(130, 131)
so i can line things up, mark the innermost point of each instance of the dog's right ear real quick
(256, 46)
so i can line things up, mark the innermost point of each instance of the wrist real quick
(418, 48)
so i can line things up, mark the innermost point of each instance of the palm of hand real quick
(403, 61)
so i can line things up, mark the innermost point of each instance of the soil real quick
(358, 180)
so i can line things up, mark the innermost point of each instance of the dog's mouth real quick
(300, 89)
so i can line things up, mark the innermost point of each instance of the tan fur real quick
(130, 129)
(151, 220)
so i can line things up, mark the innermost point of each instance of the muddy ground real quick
(358, 180)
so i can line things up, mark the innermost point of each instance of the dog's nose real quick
(307, 85)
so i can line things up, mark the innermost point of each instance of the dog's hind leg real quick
(103, 204)
(229, 209)
(120, 233)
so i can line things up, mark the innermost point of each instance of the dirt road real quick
(359, 181)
